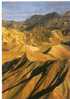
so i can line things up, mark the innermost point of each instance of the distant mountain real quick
(51, 20)
(40, 26)
(67, 13)
(34, 19)
(41, 19)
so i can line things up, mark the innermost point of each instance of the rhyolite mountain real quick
(42, 19)
(52, 20)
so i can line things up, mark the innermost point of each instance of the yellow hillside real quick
(13, 44)
(13, 47)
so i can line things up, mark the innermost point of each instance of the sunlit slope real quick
(57, 50)
(19, 72)
(13, 44)
(32, 64)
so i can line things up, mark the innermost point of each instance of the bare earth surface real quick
(30, 74)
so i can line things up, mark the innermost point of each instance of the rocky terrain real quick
(36, 57)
